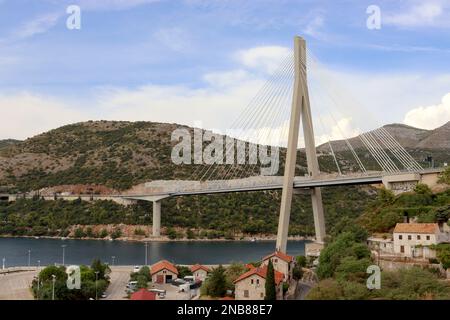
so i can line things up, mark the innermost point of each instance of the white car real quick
(136, 268)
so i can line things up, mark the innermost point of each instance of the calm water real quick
(49, 251)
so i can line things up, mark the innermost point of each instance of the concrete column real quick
(156, 223)
(291, 156)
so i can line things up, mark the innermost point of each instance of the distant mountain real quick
(120, 154)
(8, 142)
(409, 137)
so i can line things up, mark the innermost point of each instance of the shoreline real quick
(163, 239)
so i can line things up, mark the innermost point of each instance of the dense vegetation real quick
(342, 272)
(94, 281)
(223, 215)
(387, 210)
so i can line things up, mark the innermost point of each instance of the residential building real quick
(252, 284)
(143, 294)
(200, 272)
(282, 262)
(414, 239)
(163, 272)
(381, 245)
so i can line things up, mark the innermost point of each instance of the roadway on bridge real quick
(16, 285)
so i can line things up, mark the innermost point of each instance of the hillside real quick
(119, 154)
(8, 142)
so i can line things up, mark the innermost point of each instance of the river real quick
(50, 251)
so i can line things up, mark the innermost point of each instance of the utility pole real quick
(63, 253)
(96, 279)
(146, 256)
(53, 286)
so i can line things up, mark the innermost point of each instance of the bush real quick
(444, 177)
(139, 232)
(117, 233)
(79, 233)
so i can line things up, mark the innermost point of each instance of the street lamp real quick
(3, 263)
(39, 264)
(64, 252)
(146, 246)
(96, 278)
(53, 287)
(29, 257)
(113, 258)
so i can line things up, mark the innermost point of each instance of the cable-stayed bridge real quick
(276, 117)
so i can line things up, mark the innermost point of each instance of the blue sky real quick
(154, 60)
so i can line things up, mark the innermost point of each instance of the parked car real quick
(136, 268)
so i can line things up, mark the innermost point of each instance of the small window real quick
(428, 237)
(276, 260)
(251, 281)
(246, 293)
(409, 237)
(418, 237)
(257, 281)
(261, 295)
(400, 237)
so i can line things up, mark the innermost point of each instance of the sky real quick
(200, 62)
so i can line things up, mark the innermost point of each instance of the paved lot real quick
(16, 286)
(119, 278)
(171, 292)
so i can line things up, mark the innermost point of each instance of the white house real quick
(252, 284)
(281, 262)
(200, 272)
(413, 239)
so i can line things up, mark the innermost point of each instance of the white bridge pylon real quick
(300, 110)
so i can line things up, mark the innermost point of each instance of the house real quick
(413, 239)
(252, 284)
(281, 262)
(381, 245)
(143, 294)
(200, 272)
(163, 272)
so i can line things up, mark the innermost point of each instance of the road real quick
(119, 276)
(16, 286)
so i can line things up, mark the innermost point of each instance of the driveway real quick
(119, 277)
(16, 286)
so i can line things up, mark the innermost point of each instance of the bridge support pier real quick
(156, 223)
(319, 219)
(300, 108)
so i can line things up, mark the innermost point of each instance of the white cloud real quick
(313, 28)
(424, 14)
(430, 117)
(384, 97)
(265, 58)
(38, 25)
(174, 38)
(25, 114)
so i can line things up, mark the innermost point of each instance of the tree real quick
(422, 188)
(444, 177)
(301, 261)
(385, 196)
(183, 271)
(216, 283)
(271, 291)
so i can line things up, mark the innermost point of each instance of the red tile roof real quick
(161, 265)
(196, 267)
(143, 294)
(416, 228)
(280, 255)
(262, 272)
(249, 266)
